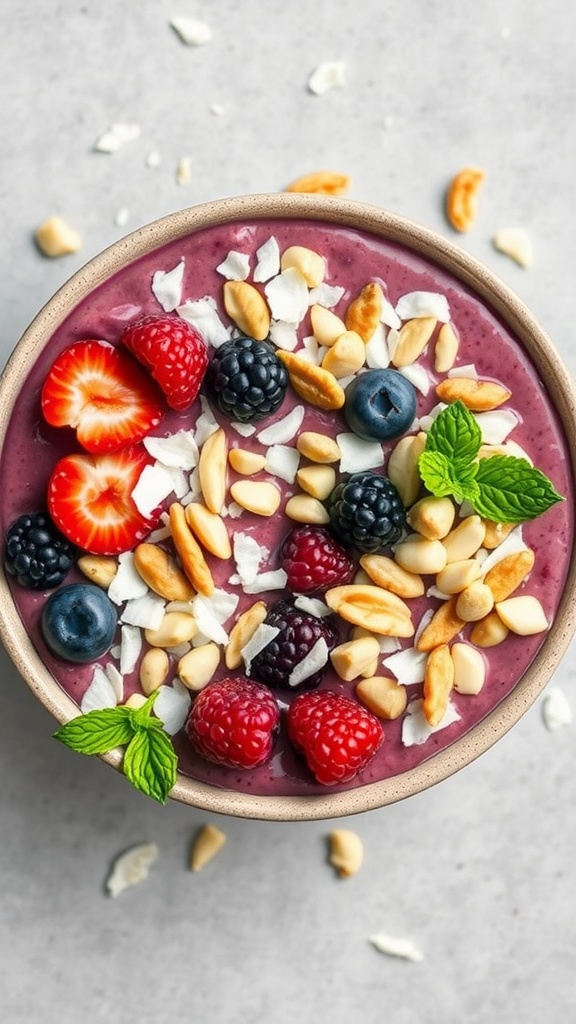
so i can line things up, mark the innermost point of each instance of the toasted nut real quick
(523, 615)
(160, 572)
(197, 667)
(364, 312)
(154, 669)
(258, 496)
(212, 470)
(438, 684)
(176, 628)
(319, 481)
(246, 463)
(303, 508)
(474, 602)
(310, 264)
(318, 447)
(387, 573)
(313, 384)
(346, 851)
(210, 529)
(378, 610)
(420, 555)
(495, 533)
(469, 668)
(402, 467)
(347, 355)
(207, 844)
(442, 628)
(247, 308)
(135, 701)
(326, 326)
(190, 552)
(432, 517)
(462, 198)
(382, 696)
(456, 576)
(509, 573)
(445, 349)
(489, 631)
(328, 183)
(464, 540)
(242, 631)
(476, 395)
(352, 658)
(100, 569)
(413, 337)
(55, 238)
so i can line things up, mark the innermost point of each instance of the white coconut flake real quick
(267, 261)
(310, 350)
(415, 727)
(179, 450)
(313, 606)
(211, 612)
(328, 295)
(244, 429)
(217, 109)
(418, 376)
(274, 579)
(203, 315)
(234, 510)
(167, 287)
(100, 693)
(172, 706)
(377, 353)
(425, 422)
(153, 158)
(117, 136)
(283, 335)
(408, 665)
(466, 370)
(331, 74)
(287, 295)
(127, 582)
(122, 217)
(131, 867)
(257, 642)
(419, 304)
(315, 660)
(496, 425)
(154, 484)
(283, 430)
(117, 681)
(388, 315)
(146, 612)
(283, 461)
(191, 31)
(206, 424)
(130, 647)
(357, 455)
(391, 945)
(236, 266)
(388, 644)
(556, 711)
(248, 556)
(515, 243)
(511, 544)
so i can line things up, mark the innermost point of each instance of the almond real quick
(210, 529)
(382, 696)
(523, 615)
(378, 610)
(100, 569)
(207, 844)
(329, 183)
(318, 481)
(190, 552)
(509, 573)
(352, 658)
(313, 384)
(432, 517)
(489, 631)
(364, 312)
(246, 463)
(476, 395)
(462, 197)
(212, 470)
(197, 667)
(347, 355)
(443, 627)
(242, 631)
(318, 447)
(258, 496)
(387, 573)
(161, 573)
(469, 668)
(311, 265)
(303, 508)
(247, 308)
(326, 326)
(445, 349)
(438, 684)
(402, 466)
(413, 337)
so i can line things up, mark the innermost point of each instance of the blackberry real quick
(37, 554)
(246, 380)
(366, 511)
(299, 631)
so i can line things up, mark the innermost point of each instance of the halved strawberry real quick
(90, 500)
(104, 394)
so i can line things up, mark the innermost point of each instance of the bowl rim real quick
(487, 286)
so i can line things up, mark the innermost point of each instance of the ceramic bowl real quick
(466, 274)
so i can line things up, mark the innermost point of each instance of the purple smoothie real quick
(353, 258)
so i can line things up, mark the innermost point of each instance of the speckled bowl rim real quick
(470, 272)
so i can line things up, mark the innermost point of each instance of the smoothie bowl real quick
(287, 508)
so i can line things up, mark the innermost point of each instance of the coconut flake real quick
(311, 350)
(167, 287)
(377, 353)
(466, 370)
(127, 582)
(267, 260)
(419, 304)
(287, 295)
(415, 727)
(313, 606)
(496, 425)
(314, 661)
(511, 544)
(146, 611)
(191, 31)
(203, 315)
(257, 642)
(178, 450)
(331, 74)
(172, 705)
(131, 868)
(153, 158)
(244, 429)
(248, 555)
(556, 711)
(274, 579)
(357, 455)
(211, 612)
(418, 376)
(235, 267)
(122, 217)
(328, 295)
(515, 243)
(206, 424)
(390, 945)
(130, 647)
(283, 430)
(117, 136)
(283, 461)
(425, 422)
(283, 335)
(154, 484)
(100, 693)
(388, 315)
(117, 681)
(408, 665)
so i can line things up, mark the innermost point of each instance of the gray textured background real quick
(479, 871)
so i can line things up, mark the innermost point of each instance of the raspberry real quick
(298, 633)
(246, 380)
(173, 352)
(366, 511)
(234, 722)
(336, 735)
(314, 561)
(37, 554)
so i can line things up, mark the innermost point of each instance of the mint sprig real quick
(149, 761)
(502, 488)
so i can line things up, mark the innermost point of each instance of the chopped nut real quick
(207, 844)
(210, 529)
(350, 659)
(378, 610)
(161, 573)
(523, 615)
(403, 466)
(432, 517)
(330, 183)
(364, 312)
(515, 243)
(387, 573)
(303, 508)
(318, 447)
(456, 576)
(420, 555)
(212, 470)
(347, 355)
(190, 552)
(474, 602)
(509, 573)
(176, 628)
(462, 198)
(55, 238)
(346, 851)
(258, 496)
(489, 631)
(446, 349)
(242, 631)
(326, 326)
(383, 696)
(246, 463)
(100, 569)
(318, 481)
(438, 684)
(465, 539)
(197, 667)
(154, 669)
(443, 627)
(495, 533)
(469, 668)
(247, 308)
(310, 264)
(413, 337)
(477, 395)
(313, 384)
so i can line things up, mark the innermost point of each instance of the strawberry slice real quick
(90, 500)
(104, 394)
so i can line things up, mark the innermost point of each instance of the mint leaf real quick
(436, 472)
(150, 763)
(97, 731)
(510, 490)
(456, 434)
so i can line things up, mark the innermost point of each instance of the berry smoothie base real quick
(353, 258)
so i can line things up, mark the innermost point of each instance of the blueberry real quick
(380, 405)
(79, 622)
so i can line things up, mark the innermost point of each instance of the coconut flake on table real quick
(235, 267)
(327, 295)
(260, 639)
(466, 370)
(283, 461)
(391, 945)
(179, 450)
(248, 556)
(100, 693)
(283, 335)
(515, 243)
(122, 217)
(244, 429)
(312, 605)
(408, 665)
(130, 647)
(287, 295)
(556, 711)
(267, 261)
(330, 74)
(274, 579)
(419, 304)
(282, 430)
(153, 158)
(203, 315)
(357, 455)
(127, 582)
(172, 706)
(117, 136)
(315, 660)
(131, 868)
(146, 611)
(418, 376)
(192, 31)
(377, 352)
(167, 287)
(496, 424)
(415, 727)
